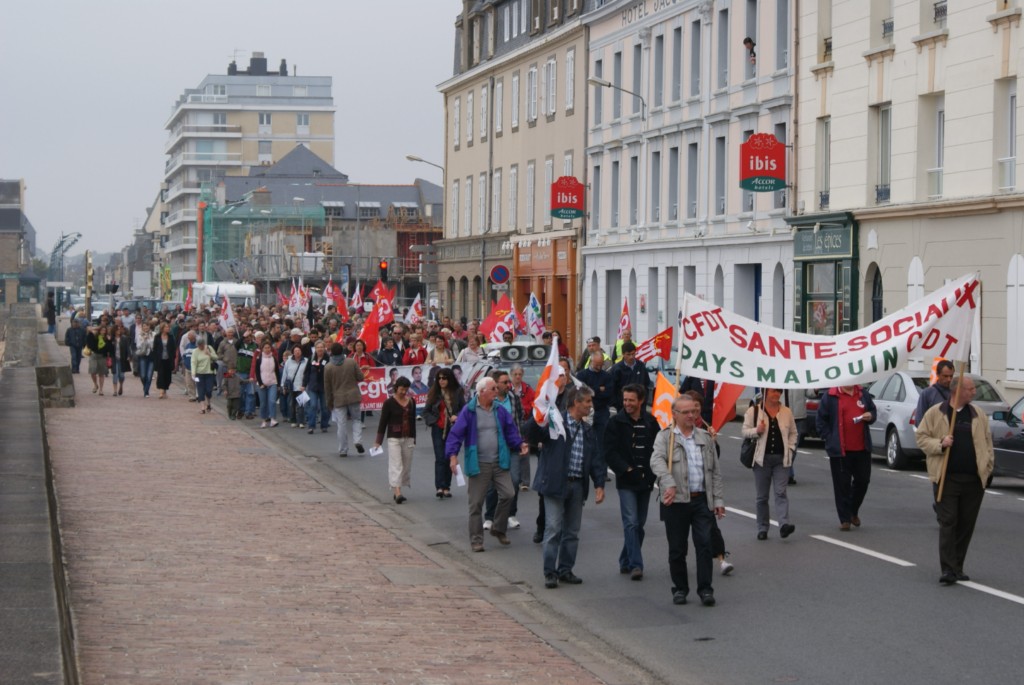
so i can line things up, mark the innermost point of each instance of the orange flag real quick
(664, 394)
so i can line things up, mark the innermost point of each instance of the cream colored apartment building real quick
(908, 168)
(228, 125)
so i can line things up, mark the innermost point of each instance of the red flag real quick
(658, 346)
(281, 299)
(725, 398)
(380, 291)
(188, 300)
(624, 324)
(385, 314)
(370, 333)
(499, 310)
(357, 298)
(415, 314)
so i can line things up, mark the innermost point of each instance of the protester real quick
(144, 356)
(936, 393)
(265, 369)
(100, 351)
(398, 422)
(122, 358)
(313, 382)
(772, 424)
(844, 415)
(601, 382)
(444, 402)
(243, 367)
(293, 375)
(204, 372)
(628, 371)
(510, 403)
(526, 395)
(341, 393)
(74, 338)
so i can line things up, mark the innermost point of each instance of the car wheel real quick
(895, 457)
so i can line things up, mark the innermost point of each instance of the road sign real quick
(500, 274)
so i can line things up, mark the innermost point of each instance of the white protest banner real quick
(719, 345)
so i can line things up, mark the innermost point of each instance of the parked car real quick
(1008, 441)
(896, 396)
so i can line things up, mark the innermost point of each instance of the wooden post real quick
(952, 422)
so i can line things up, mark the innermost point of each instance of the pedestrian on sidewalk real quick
(568, 461)
(398, 422)
(74, 338)
(292, 385)
(341, 389)
(444, 402)
(144, 357)
(966, 473)
(265, 370)
(774, 428)
(511, 404)
(100, 351)
(844, 415)
(122, 358)
(316, 407)
(243, 367)
(50, 311)
(204, 373)
(165, 349)
(489, 434)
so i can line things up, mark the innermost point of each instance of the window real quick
(456, 120)
(216, 89)
(780, 195)
(1015, 318)
(595, 197)
(691, 181)
(824, 148)
(530, 194)
(468, 207)
(265, 122)
(264, 151)
(883, 137)
(499, 104)
(673, 184)
(513, 196)
(1004, 126)
(615, 193)
(695, 37)
(570, 79)
(567, 164)
(262, 91)
(555, 10)
(220, 119)
(935, 173)
(481, 200)
(469, 118)
(747, 196)
(720, 175)
(656, 186)
(659, 70)
(515, 101)
(537, 13)
(531, 95)
(634, 189)
(524, 23)
(454, 210)
(302, 123)
(617, 82)
(496, 200)
(781, 34)
(300, 91)
(677, 64)
(505, 21)
(515, 17)
(723, 48)
(637, 80)
(598, 93)
(551, 83)
(549, 178)
(749, 53)
(369, 210)
(483, 112)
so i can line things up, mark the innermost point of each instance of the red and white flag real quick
(624, 324)
(385, 314)
(725, 398)
(281, 299)
(415, 314)
(227, 317)
(357, 298)
(658, 346)
(380, 291)
(552, 378)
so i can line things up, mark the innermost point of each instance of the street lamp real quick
(602, 83)
(414, 158)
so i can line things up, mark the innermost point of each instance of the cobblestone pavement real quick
(197, 554)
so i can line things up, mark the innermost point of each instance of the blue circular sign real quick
(500, 274)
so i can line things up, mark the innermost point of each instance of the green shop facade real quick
(825, 273)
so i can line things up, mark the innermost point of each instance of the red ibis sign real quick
(762, 163)
(567, 198)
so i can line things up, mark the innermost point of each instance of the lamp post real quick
(602, 83)
(414, 158)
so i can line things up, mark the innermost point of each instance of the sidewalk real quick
(196, 553)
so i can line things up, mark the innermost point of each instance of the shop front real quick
(547, 267)
(825, 273)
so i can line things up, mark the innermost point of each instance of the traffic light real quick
(384, 270)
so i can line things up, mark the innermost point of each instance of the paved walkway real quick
(197, 553)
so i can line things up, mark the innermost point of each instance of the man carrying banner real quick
(844, 415)
(690, 482)
(958, 480)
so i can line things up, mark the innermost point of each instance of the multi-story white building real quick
(225, 126)
(908, 166)
(675, 90)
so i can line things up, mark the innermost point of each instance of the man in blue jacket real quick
(489, 433)
(566, 463)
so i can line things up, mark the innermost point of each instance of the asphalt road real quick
(821, 607)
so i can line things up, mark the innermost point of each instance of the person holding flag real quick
(772, 424)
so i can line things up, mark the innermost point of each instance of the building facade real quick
(908, 165)
(228, 125)
(675, 89)
(515, 121)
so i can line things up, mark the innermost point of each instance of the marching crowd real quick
(306, 371)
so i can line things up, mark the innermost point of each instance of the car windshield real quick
(921, 382)
(986, 392)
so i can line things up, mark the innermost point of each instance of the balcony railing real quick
(827, 49)
(1008, 173)
(180, 215)
(940, 13)
(881, 193)
(935, 183)
(887, 26)
(823, 197)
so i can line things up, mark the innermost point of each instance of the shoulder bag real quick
(749, 446)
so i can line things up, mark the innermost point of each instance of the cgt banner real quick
(722, 346)
(379, 382)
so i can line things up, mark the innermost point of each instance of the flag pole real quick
(952, 423)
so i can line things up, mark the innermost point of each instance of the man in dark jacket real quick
(937, 392)
(707, 390)
(628, 442)
(74, 338)
(601, 382)
(566, 462)
(627, 371)
(844, 415)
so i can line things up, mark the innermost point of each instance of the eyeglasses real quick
(687, 411)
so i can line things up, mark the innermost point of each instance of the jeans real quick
(76, 359)
(248, 397)
(491, 501)
(118, 371)
(268, 402)
(316, 408)
(204, 388)
(633, 507)
(850, 477)
(145, 374)
(562, 529)
(442, 467)
(679, 518)
(775, 476)
(348, 419)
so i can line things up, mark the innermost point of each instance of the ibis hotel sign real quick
(762, 164)
(567, 198)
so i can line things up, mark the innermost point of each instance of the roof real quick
(301, 162)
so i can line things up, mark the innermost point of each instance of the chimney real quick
(260, 197)
(257, 64)
(232, 68)
(283, 71)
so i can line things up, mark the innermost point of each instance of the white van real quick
(240, 294)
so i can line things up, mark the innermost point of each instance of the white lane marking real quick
(803, 452)
(918, 475)
(749, 515)
(736, 437)
(889, 470)
(864, 550)
(992, 591)
(993, 492)
(1021, 499)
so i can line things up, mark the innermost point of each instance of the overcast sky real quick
(86, 87)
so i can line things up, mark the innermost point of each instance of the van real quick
(239, 294)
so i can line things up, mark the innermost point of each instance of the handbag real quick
(110, 362)
(86, 352)
(749, 446)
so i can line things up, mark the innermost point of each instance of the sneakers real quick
(263, 425)
(707, 598)
(513, 523)
(727, 568)
(550, 581)
(343, 454)
(359, 447)
(636, 574)
(273, 423)
(786, 530)
(487, 525)
(524, 487)
(678, 596)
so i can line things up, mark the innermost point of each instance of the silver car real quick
(896, 396)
